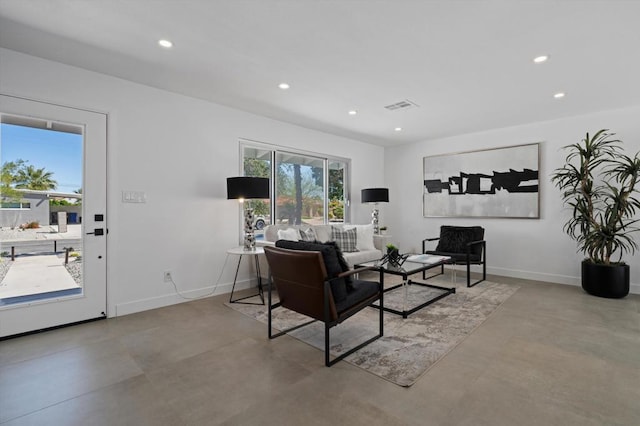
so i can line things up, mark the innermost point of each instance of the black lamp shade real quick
(375, 195)
(247, 187)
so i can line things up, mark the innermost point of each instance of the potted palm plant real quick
(598, 182)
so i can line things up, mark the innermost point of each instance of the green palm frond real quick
(598, 185)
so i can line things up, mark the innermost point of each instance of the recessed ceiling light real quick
(398, 129)
(165, 43)
(559, 95)
(353, 112)
(540, 59)
(283, 86)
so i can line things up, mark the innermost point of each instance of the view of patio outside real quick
(39, 255)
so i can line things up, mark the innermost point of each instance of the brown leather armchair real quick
(304, 286)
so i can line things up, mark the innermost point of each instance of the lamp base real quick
(249, 236)
(374, 221)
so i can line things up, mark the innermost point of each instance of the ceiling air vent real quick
(406, 104)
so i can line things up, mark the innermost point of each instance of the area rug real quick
(409, 346)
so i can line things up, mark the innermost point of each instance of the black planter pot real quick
(393, 254)
(611, 281)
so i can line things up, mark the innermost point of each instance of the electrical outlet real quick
(167, 276)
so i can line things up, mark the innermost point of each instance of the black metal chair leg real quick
(235, 278)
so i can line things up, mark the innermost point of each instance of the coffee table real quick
(405, 270)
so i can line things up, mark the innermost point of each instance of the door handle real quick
(97, 232)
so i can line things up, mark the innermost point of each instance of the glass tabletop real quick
(412, 264)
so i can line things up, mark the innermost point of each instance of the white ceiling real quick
(467, 64)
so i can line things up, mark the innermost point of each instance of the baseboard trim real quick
(209, 291)
(535, 276)
(550, 278)
(174, 298)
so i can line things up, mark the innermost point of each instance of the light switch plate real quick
(134, 197)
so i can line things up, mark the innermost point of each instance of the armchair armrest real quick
(351, 272)
(483, 243)
(356, 271)
(426, 240)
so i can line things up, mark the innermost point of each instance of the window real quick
(257, 162)
(15, 205)
(337, 198)
(299, 189)
(307, 188)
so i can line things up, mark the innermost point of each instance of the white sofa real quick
(370, 246)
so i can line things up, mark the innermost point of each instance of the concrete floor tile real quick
(584, 385)
(491, 402)
(316, 408)
(52, 341)
(39, 383)
(130, 402)
(224, 382)
(550, 355)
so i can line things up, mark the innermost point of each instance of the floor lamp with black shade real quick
(375, 196)
(243, 188)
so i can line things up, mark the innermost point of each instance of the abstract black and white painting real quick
(497, 182)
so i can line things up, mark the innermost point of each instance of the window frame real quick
(24, 205)
(326, 160)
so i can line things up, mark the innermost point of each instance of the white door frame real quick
(92, 303)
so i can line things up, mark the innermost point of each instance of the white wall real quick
(178, 150)
(525, 248)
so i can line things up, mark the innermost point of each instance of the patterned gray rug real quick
(410, 346)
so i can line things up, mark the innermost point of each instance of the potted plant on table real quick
(598, 182)
(392, 251)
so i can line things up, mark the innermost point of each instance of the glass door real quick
(52, 217)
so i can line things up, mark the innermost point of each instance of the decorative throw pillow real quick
(346, 239)
(343, 263)
(308, 235)
(323, 232)
(454, 239)
(365, 237)
(331, 263)
(289, 234)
